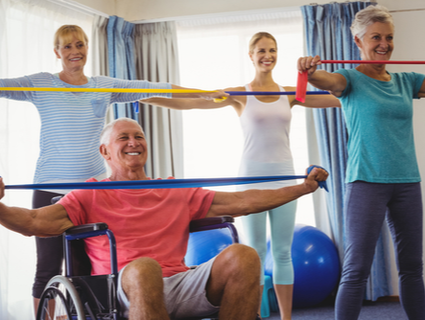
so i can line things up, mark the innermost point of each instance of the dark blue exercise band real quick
(161, 184)
(253, 93)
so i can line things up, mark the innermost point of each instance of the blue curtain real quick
(328, 35)
(121, 59)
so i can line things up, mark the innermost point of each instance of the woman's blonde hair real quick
(65, 34)
(257, 37)
(368, 16)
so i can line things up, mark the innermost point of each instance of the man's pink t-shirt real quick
(146, 223)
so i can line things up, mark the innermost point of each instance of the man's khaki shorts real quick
(184, 293)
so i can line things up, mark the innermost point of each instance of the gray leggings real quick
(365, 208)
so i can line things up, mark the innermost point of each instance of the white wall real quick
(133, 10)
(402, 5)
(105, 6)
(148, 9)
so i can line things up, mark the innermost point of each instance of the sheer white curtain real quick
(213, 53)
(26, 47)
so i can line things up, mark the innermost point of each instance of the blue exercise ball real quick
(205, 245)
(268, 263)
(316, 266)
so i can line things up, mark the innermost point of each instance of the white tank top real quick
(266, 128)
(266, 150)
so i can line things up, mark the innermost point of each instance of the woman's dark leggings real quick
(49, 250)
(365, 208)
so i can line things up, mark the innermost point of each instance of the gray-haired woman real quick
(382, 177)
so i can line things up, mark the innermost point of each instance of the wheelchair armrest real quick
(194, 224)
(215, 223)
(55, 199)
(87, 231)
(86, 228)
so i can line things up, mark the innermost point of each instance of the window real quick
(26, 47)
(213, 53)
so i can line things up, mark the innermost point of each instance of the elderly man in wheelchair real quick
(151, 228)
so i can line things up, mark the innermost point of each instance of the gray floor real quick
(370, 311)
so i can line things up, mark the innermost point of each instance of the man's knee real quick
(142, 272)
(239, 260)
(235, 270)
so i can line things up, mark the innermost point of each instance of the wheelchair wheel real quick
(60, 301)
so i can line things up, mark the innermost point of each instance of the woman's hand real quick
(218, 95)
(1, 188)
(333, 82)
(308, 64)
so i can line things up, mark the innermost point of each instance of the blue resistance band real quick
(162, 184)
(253, 93)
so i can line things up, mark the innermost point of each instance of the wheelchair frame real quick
(75, 293)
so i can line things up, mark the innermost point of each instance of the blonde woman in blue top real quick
(71, 124)
(382, 177)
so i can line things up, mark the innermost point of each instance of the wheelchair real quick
(80, 296)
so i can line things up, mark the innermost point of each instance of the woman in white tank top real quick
(265, 121)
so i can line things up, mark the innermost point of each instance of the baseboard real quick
(389, 299)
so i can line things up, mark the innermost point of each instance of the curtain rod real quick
(71, 4)
(316, 4)
(407, 10)
(372, 1)
(214, 15)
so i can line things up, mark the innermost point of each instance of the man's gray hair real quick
(368, 16)
(105, 136)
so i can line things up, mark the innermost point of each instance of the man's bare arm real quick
(43, 222)
(253, 201)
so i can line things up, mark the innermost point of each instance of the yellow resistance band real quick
(105, 90)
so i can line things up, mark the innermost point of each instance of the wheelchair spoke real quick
(54, 305)
(60, 301)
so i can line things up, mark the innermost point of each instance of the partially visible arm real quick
(44, 222)
(253, 201)
(192, 102)
(421, 93)
(153, 89)
(216, 94)
(333, 82)
(16, 95)
(315, 101)
(186, 104)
